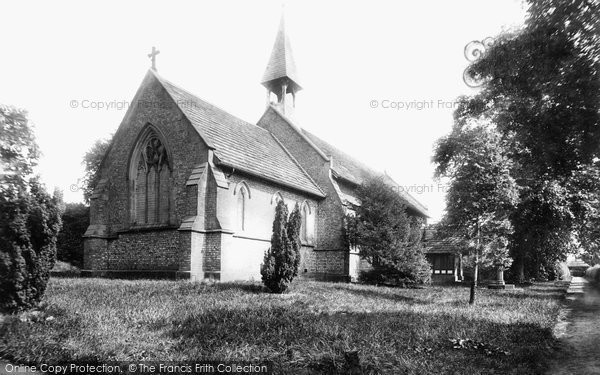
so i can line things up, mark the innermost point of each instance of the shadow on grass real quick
(549, 288)
(296, 340)
(536, 293)
(388, 294)
(248, 287)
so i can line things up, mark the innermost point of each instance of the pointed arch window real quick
(276, 197)
(304, 224)
(241, 208)
(150, 180)
(242, 192)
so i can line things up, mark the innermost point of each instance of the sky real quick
(380, 78)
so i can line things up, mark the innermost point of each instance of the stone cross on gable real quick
(152, 56)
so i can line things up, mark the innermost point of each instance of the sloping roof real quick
(346, 193)
(446, 245)
(348, 168)
(572, 263)
(239, 144)
(281, 64)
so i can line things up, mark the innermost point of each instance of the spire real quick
(281, 75)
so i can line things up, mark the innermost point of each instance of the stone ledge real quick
(146, 228)
(321, 276)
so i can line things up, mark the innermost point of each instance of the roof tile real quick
(350, 169)
(281, 64)
(239, 144)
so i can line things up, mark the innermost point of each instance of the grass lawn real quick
(308, 330)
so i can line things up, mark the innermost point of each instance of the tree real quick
(386, 235)
(58, 196)
(18, 150)
(293, 232)
(92, 161)
(482, 192)
(586, 183)
(75, 219)
(541, 88)
(544, 223)
(29, 217)
(29, 224)
(281, 260)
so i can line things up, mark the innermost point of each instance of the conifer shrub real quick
(282, 259)
(29, 225)
(387, 236)
(293, 232)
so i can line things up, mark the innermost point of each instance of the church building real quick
(187, 190)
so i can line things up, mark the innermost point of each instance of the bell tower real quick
(281, 76)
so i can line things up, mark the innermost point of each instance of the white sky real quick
(348, 53)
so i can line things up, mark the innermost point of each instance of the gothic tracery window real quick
(150, 181)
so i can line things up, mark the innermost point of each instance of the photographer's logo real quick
(77, 186)
(473, 52)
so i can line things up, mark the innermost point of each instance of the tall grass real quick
(307, 330)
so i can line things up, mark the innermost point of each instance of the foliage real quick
(387, 236)
(29, 224)
(543, 224)
(592, 259)
(496, 254)
(75, 220)
(541, 90)
(18, 150)
(29, 216)
(92, 161)
(577, 19)
(410, 268)
(593, 273)
(280, 264)
(58, 196)
(482, 192)
(293, 232)
(586, 185)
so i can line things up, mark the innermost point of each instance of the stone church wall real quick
(112, 241)
(330, 210)
(155, 250)
(205, 262)
(163, 254)
(242, 251)
(331, 256)
(219, 249)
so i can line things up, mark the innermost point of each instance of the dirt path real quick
(579, 331)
